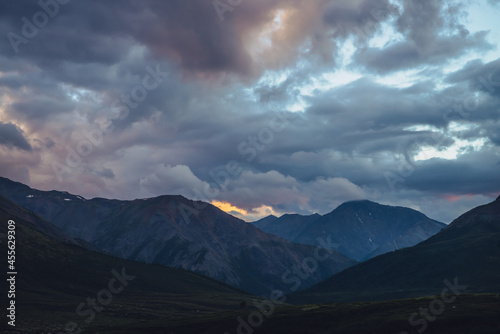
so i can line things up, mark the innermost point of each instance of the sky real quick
(257, 106)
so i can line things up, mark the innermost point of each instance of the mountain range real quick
(210, 241)
(60, 283)
(466, 253)
(358, 229)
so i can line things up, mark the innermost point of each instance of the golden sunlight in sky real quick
(228, 207)
(249, 216)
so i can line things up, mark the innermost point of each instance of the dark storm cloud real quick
(431, 37)
(345, 133)
(221, 93)
(189, 33)
(12, 136)
(479, 76)
(366, 118)
(474, 173)
(105, 173)
(359, 132)
(373, 106)
(360, 18)
(278, 94)
(40, 107)
(93, 32)
(479, 83)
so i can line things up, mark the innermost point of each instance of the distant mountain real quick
(359, 229)
(288, 226)
(468, 250)
(154, 230)
(265, 220)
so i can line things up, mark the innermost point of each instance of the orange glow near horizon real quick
(246, 215)
(454, 198)
(228, 207)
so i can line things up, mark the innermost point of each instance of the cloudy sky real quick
(258, 106)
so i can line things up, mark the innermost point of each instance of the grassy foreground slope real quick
(468, 314)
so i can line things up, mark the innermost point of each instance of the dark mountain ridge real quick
(468, 250)
(360, 229)
(155, 230)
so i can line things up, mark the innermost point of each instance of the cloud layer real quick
(309, 104)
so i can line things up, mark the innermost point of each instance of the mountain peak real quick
(359, 201)
(498, 199)
(357, 204)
